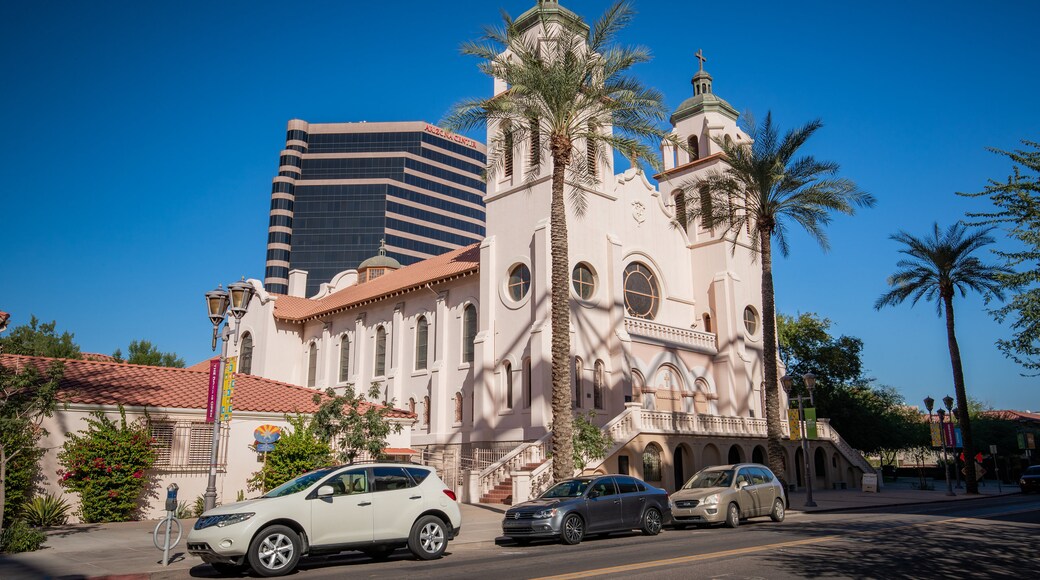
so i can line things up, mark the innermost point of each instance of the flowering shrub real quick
(105, 464)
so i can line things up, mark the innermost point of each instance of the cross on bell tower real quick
(700, 56)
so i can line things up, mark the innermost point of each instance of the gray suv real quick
(728, 493)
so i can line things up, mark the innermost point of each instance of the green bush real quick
(19, 537)
(46, 511)
(199, 507)
(183, 511)
(106, 464)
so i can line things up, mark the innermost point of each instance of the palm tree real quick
(568, 87)
(937, 267)
(764, 186)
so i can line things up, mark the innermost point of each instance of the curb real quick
(891, 505)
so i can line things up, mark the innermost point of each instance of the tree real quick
(143, 352)
(1018, 208)
(297, 451)
(870, 418)
(26, 398)
(936, 268)
(35, 339)
(764, 187)
(590, 442)
(568, 84)
(352, 424)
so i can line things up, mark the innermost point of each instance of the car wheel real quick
(651, 522)
(573, 530)
(777, 515)
(428, 539)
(379, 552)
(227, 569)
(732, 516)
(274, 551)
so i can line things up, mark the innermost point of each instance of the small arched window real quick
(707, 322)
(526, 378)
(507, 384)
(422, 337)
(344, 359)
(458, 408)
(680, 207)
(536, 145)
(245, 356)
(312, 365)
(599, 385)
(507, 150)
(380, 362)
(577, 383)
(694, 146)
(706, 207)
(591, 153)
(411, 405)
(652, 462)
(426, 410)
(727, 141)
(469, 332)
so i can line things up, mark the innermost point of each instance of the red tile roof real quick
(107, 383)
(97, 356)
(454, 264)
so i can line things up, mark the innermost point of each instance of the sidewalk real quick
(124, 551)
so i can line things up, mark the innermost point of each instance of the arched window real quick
(706, 220)
(344, 359)
(680, 207)
(422, 337)
(695, 152)
(707, 322)
(536, 144)
(458, 407)
(642, 295)
(507, 384)
(245, 355)
(599, 385)
(577, 383)
(526, 378)
(590, 151)
(380, 363)
(652, 462)
(411, 404)
(469, 332)
(426, 410)
(727, 141)
(507, 152)
(312, 365)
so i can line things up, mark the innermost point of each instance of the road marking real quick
(759, 548)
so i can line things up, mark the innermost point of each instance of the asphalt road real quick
(986, 538)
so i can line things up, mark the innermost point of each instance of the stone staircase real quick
(502, 493)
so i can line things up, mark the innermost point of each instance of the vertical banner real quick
(229, 388)
(936, 435)
(1030, 441)
(958, 438)
(214, 390)
(796, 428)
(810, 424)
(948, 432)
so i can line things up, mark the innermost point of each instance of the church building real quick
(666, 333)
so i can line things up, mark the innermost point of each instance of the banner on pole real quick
(229, 388)
(936, 435)
(1030, 441)
(214, 390)
(795, 424)
(810, 424)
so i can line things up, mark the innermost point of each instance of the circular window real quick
(750, 320)
(641, 293)
(583, 281)
(519, 281)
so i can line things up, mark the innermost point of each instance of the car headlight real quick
(1021, 482)
(712, 499)
(671, 504)
(547, 513)
(222, 520)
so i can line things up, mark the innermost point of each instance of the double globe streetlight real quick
(929, 403)
(809, 380)
(237, 297)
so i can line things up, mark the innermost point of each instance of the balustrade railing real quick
(521, 455)
(695, 339)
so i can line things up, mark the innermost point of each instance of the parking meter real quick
(171, 497)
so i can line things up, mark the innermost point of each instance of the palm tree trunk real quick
(563, 421)
(970, 482)
(774, 448)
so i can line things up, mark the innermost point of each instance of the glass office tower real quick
(341, 188)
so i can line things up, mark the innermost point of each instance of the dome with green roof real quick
(703, 99)
(381, 260)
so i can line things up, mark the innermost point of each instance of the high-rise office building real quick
(343, 188)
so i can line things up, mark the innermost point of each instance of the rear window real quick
(391, 478)
(418, 474)
(626, 485)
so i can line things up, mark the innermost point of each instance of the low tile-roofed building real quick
(455, 264)
(108, 384)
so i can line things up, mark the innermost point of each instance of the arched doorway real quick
(820, 468)
(736, 454)
(799, 467)
(679, 466)
(710, 456)
(758, 455)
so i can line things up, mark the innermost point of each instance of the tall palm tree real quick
(937, 267)
(568, 87)
(765, 186)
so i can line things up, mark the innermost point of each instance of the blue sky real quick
(141, 139)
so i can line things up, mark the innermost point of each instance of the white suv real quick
(374, 507)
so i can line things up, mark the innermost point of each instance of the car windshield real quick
(714, 478)
(299, 484)
(572, 488)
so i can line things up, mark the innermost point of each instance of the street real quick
(992, 537)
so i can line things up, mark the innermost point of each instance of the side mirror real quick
(325, 491)
(593, 494)
(740, 485)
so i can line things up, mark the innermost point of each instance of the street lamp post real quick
(237, 297)
(956, 470)
(929, 403)
(810, 381)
